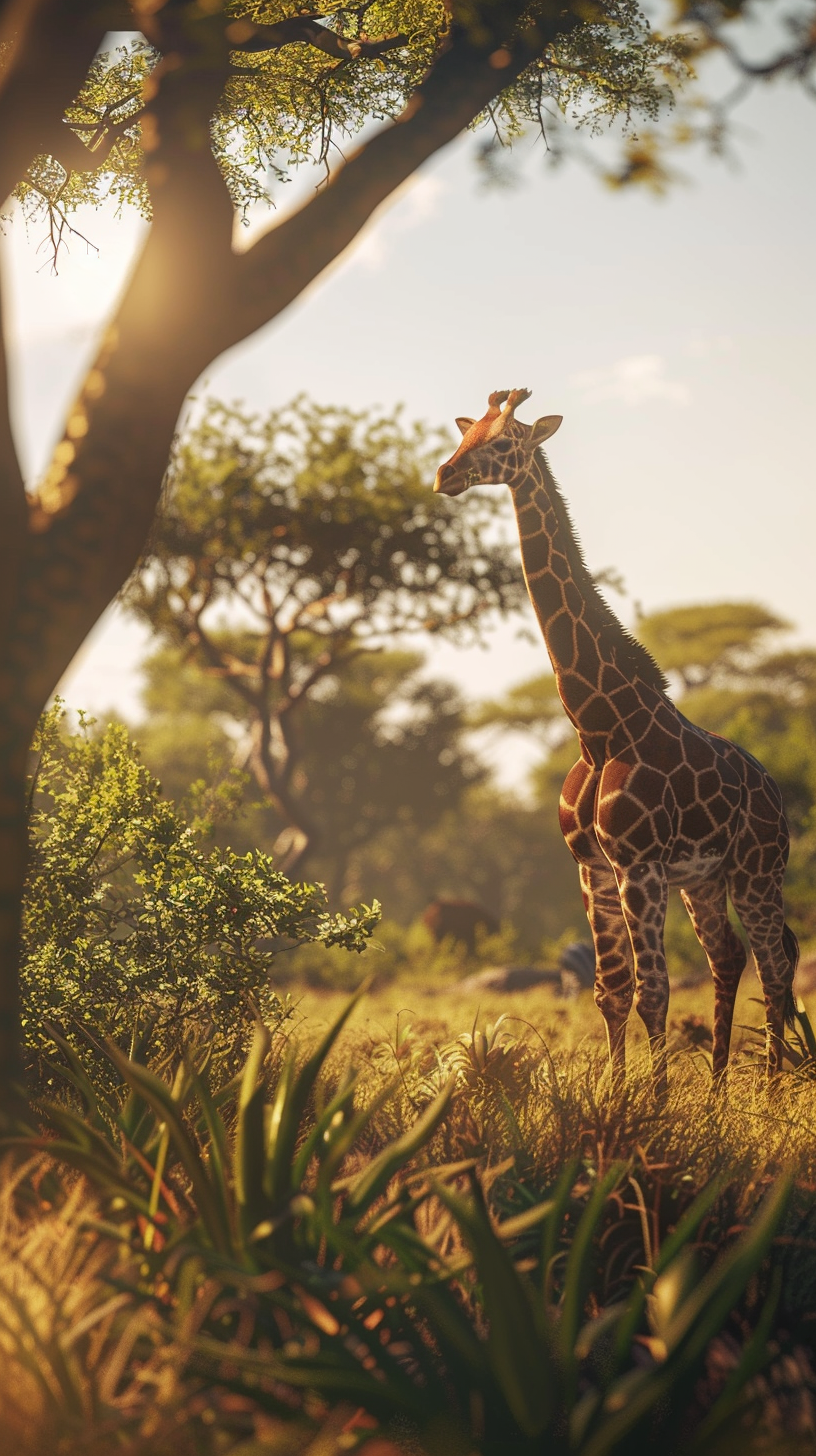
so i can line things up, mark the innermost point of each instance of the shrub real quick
(130, 915)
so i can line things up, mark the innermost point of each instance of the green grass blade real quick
(278, 1180)
(577, 1275)
(552, 1227)
(754, 1356)
(84, 1135)
(250, 1139)
(76, 1074)
(631, 1399)
(702, 1314)
(521, 1223)
(344, 1139)
(219, 1162)
(321, 1132)
(519, 1358)
(159, 1097)
(375, 1178)
(806, 1028)
(677, 1240)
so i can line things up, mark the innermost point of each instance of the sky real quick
(676, 335)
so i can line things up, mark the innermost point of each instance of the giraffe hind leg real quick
(759, 906)
(707, 906)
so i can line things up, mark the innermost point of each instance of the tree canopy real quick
(288, 553)
(710, 641)
(379, 746)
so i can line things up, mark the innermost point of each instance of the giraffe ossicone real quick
(653, 800)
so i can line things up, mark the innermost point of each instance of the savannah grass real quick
(421, 1228)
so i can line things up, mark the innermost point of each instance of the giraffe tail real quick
(790, 946)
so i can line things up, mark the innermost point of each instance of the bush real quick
(129, 915)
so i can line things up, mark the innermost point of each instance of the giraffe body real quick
(654, 800)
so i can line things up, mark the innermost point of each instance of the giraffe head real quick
(497, 449)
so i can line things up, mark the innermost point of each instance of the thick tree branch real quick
(191, 293)
(308, 30)
(94, 506)
(13, 509)
(12, 500)
(796, 60)
(463, 80)
(74, 154)
(218, 664)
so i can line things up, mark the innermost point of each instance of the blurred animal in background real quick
(460, 920)
(576, 964)
(574, 973)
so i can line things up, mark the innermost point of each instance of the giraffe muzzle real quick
(449, 486)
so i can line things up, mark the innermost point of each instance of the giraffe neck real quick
(597, 663)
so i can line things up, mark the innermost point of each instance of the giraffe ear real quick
(464, 423)
(543, 428)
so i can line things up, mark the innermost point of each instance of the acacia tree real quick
(288, 550)
(709, 642)
(213, 92)
(379, 747)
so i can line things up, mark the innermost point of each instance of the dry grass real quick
(536, 1093)
(87, 1370)
(85, 1367)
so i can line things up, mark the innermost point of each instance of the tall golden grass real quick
(178, 1267)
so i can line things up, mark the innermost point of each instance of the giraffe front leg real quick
(614, 982)
(644, 894)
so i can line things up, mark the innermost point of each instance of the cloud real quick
(633, 380)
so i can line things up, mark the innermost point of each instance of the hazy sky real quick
(677, 337)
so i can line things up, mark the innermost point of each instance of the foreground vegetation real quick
(395, 1234)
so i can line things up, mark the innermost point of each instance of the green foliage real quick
(287, 103)
(396, 953)
(611, 66)
(127, 909)
(331, 510)
(377, 745)
(110, 99)
(497, 848)
(288, 1250)
(531, 706)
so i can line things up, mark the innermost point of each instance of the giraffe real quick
(653, 800)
